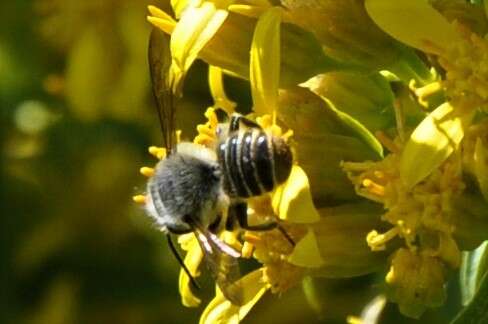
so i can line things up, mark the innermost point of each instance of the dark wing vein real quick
(223, 267)
(159, 57)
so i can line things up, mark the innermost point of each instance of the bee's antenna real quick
(180, 261)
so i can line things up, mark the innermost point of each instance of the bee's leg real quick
(240, 211)
(180, 261)
(214, 227)
(178, 229)
(285, 234)
(231, 219)
(236, 120)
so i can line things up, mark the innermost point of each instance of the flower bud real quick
(416, 282)
(345, 30)
(314, 121)
(230, 46)
(336, 246)
(366, 97)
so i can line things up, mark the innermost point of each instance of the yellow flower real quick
(425, 215)
(223, 36)
(328, 240)
(463, 56)
(475, 155)
(462, 53)
(416, 281)
(103, 76)
(416, 184)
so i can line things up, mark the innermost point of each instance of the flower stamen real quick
(377, 241)
(146, 171)
(387, 142)
(157, 152)
(247, 250)
(139, 199)
(373, 187)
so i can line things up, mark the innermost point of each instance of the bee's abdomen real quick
(249, 165)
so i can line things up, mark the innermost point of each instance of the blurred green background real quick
(76, 120)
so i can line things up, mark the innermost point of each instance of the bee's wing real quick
(222, 261)
(159, 57)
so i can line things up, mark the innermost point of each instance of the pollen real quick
(247, 250)
(272, 249)
(467, 71)
(252, 238)
(139, 199)
(373, 187)
(377, 241)
(286, 136)
(207, 133)
(268, 123)
(425, 92)
(421, 217)
(157, 152)
(146, 171)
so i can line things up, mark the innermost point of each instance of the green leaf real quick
(477, 311)
(473, 267)
(359, 130)
(367, 97)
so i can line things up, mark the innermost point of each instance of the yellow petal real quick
(413, 22)
(180, 5)
(434, 139)
(265, 62)
(292, 201)
(161, 19)
(187, 241)
(247, 10)
(221, 311)
(195, 28)
(215, 81)
(192, 261)
(306, 253)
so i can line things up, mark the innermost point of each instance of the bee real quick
(201, 190)
(253, 163)
(186, 194)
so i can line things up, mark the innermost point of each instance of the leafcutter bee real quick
(186, 193)
(195, 186)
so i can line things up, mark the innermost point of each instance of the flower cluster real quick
(389, 142)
